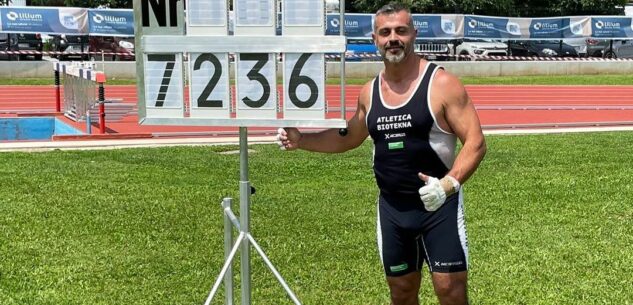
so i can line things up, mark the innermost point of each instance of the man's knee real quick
(404, 290)
(450, 288)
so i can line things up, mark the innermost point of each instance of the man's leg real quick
(405, 288)
(450, 288)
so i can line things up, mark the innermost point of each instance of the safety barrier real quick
(79, 82)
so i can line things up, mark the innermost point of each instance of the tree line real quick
(505, 8)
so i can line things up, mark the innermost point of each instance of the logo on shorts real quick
(448, 264)
(399, 267)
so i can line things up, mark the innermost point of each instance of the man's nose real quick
(393, 36)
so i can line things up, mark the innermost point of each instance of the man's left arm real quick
(461, 116)
(457, 111)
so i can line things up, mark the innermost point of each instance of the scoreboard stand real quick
(166, 39)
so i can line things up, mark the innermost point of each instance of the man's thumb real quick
(423, 177)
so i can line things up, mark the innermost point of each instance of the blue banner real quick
(438, 26)
(611, 27)
(490, 27)
(44, 20)
(111, 22)
(356, 25)
(541, 28)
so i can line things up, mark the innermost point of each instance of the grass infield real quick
(549, 222)
(501, 80)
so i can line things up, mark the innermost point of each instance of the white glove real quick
(434, 193)
(281, 133)
(288, 138)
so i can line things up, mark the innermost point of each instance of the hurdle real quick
(79, 80)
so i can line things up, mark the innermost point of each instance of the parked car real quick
(30, 42)
(124, 46)
(587, 47)
(8, 42)
(77, 44)
(434, 49)
(365, 48)
(481, 48)
(541, 48)
(596, 46)
(620, 49)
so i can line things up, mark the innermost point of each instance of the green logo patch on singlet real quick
(399, 267)
(396, 145)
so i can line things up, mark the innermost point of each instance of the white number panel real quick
(255, 12)
(303, 13)
(209, 87)
(207, 18)
(304, 86)
(255, 18)
(164, 85)
(256, 85)
(207, 12)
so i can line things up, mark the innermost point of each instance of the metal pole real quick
(342, 74)
(225, 268)
(245, 195)
(88, 122)
(228, 243)
(102, 115)
(58, 97)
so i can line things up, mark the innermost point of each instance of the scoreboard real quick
(193, 71)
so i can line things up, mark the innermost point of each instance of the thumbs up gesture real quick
(433, 194)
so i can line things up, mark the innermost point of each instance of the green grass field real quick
(501, 80)
(550, 221)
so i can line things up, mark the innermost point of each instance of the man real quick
(414, 112)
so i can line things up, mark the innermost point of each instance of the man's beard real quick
(394, 58)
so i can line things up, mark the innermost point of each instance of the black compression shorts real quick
(408, 235)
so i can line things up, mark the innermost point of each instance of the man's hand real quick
(434, 193)
(288, 138)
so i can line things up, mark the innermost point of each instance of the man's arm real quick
(329, 140)
(461, 116)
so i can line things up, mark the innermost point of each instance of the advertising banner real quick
(111, 22)
(439, 26)
(484, 27)
(44, 20)
(356, 25)
(611, 27)
(548, 28)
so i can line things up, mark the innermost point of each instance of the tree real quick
(96, 3)
(588, 7)
(486, 7)
(5, 2)
(505, 8)
(82, 3)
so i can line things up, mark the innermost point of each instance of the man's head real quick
(394, 33)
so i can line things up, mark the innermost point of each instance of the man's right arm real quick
(330, 140)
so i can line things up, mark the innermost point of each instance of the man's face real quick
(394, 36)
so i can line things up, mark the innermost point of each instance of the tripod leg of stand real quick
(273, 269)
(245, 199)
(227, 204)
(226, 266)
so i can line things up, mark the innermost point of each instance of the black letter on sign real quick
(169, 69)
(253, 74)
(297, 79)
(217, 72)
(160, 11)
(173, 16)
